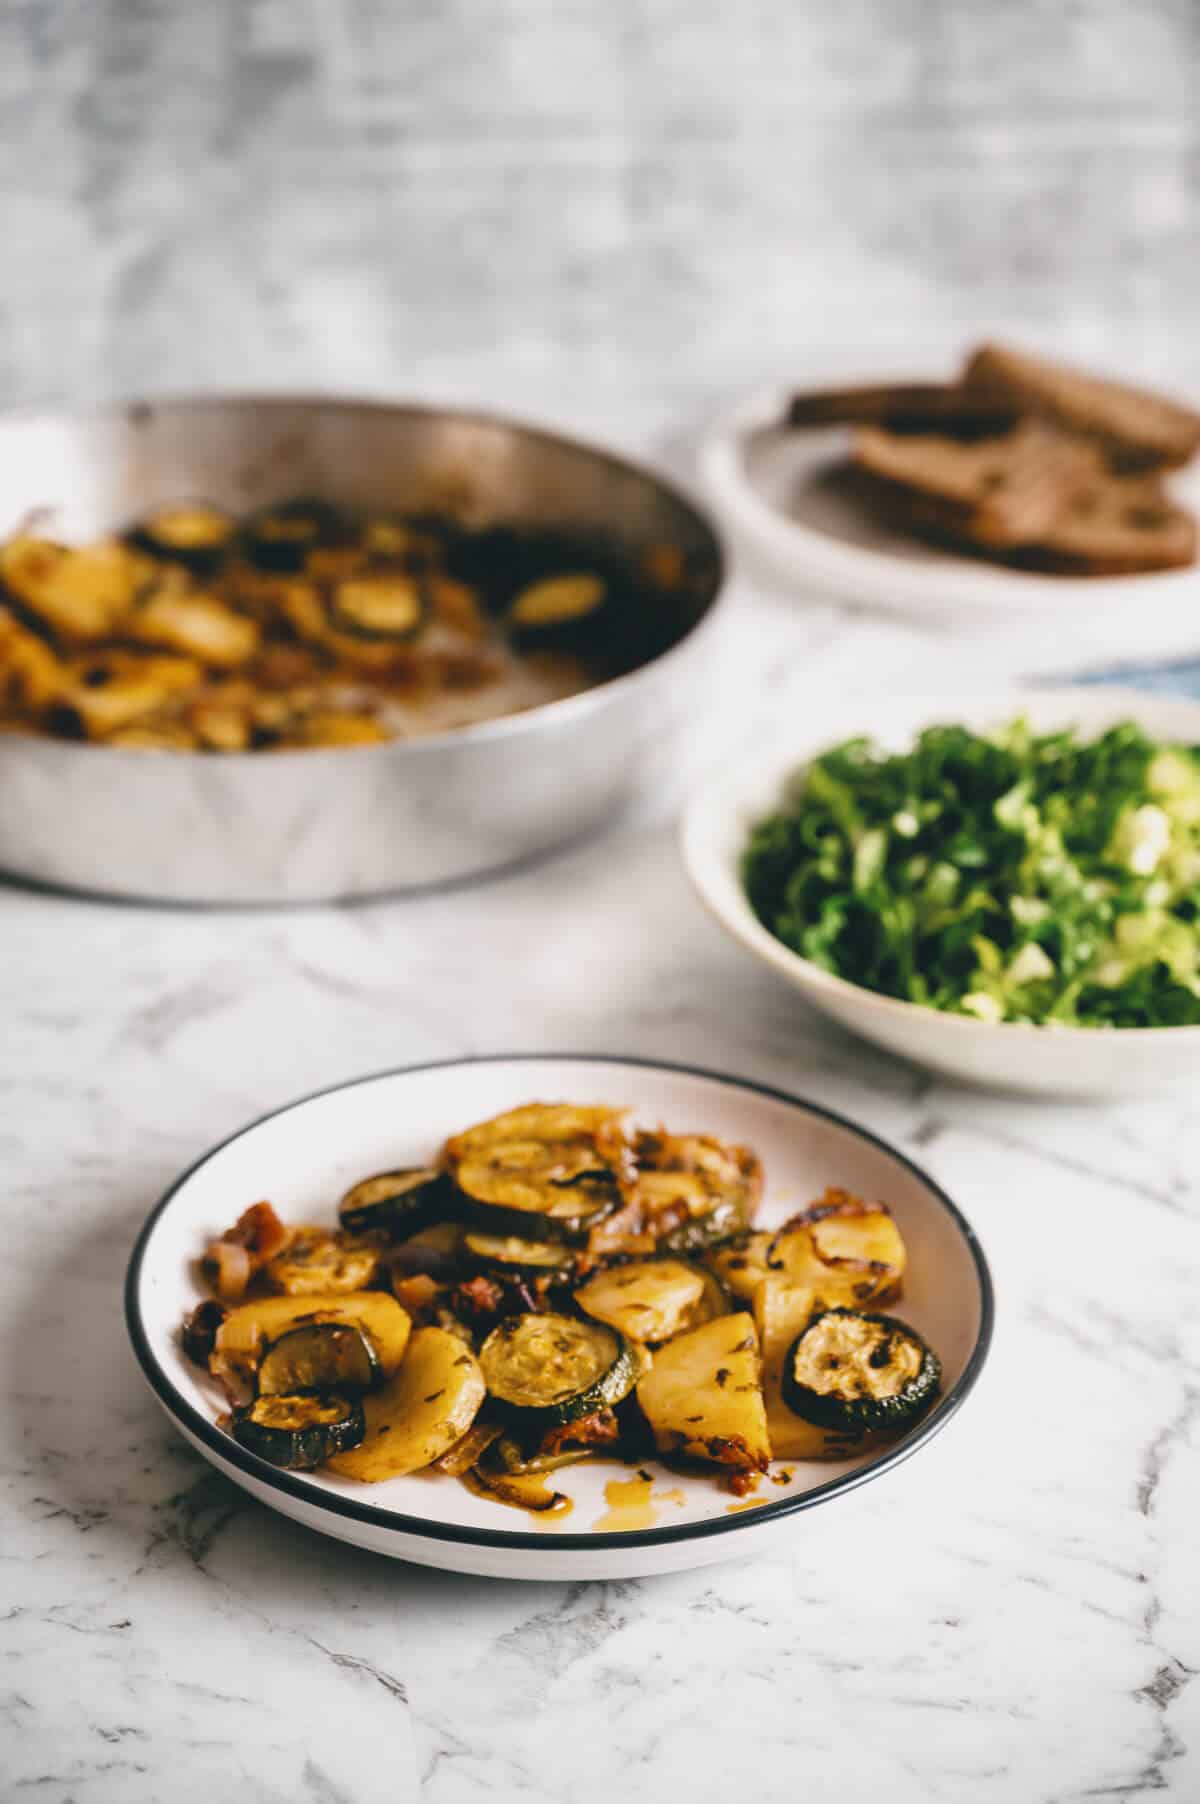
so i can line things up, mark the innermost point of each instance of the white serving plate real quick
(304, 1156)
(1054, 1061)
(768, 483)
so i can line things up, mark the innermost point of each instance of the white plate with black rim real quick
(304, 1156)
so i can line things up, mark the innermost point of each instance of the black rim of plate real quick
(334, 1504)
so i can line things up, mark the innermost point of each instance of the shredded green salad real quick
(1012, 876)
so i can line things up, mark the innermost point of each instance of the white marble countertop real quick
(617, 218)
(1011, 1616)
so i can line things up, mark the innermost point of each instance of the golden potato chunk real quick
(198, 625)
(420, 1413)
(703, 1396)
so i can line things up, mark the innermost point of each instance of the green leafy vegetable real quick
(1011, 876)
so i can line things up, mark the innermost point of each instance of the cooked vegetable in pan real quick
(556, 1285)
(304, 627)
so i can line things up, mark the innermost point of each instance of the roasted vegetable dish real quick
(557, 1285)
(1008, 876)
(302, 626)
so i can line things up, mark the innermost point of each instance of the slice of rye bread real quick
(1121, 526)
(1117, 526)
(1006, 490)
(946, 407)
(1138, 428)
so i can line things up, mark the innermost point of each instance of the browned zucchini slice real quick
(320, 1356)
(544, 1370)
(398, 1202)
(393, 539)
(545, 1169)
(383, 602)
(315, 1262)
(851, 1371)
(247, 1330)
(280, 538)
(512, 1254)
(299, 1432)
(192, 533)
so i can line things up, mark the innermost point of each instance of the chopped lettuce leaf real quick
(1011, 876)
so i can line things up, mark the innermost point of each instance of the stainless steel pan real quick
(315, 825)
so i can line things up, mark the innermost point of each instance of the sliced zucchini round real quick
(851, 1371)
(399, 540)
(252, 1326)
(544, 1370)
(313, 1263)
(398, 1202)
(387, 602)
(539, 1171)
(513, 1254)
(322, 1356)
(299, 1432)
(569, 1214)
(192, 533)
(281, 537)
(723, 1223)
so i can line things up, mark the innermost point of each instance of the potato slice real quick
(741, 1264)
(199, 625)
(651, 1300)
(31, 675)
(703, 1395)
(113, 689)
(850, 1253)
(420, 1413)
(247, 1330)
(81, 594)
(860, 1244)
(781, 1310)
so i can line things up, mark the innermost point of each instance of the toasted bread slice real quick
(947, 407)
(1122, 526)
(1001, 491)
(1138, 428)
(1114, 526)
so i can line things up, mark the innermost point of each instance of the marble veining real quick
(613, 219)
(1013, 1613)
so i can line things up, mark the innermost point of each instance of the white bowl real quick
(303, 1157)
(1062, 1061)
